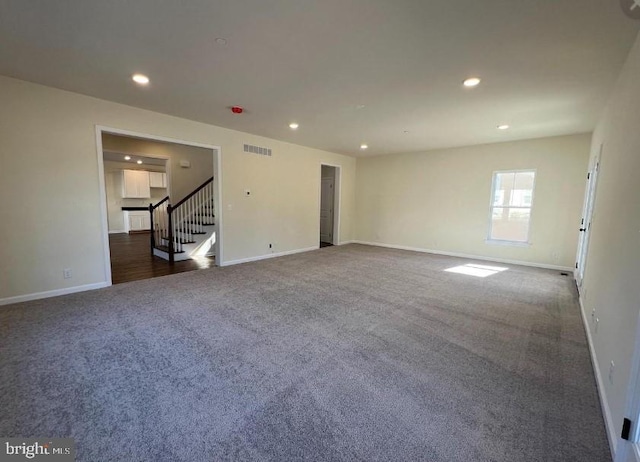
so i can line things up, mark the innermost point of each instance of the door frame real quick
(587, 217)
(629, 451)
(217, 181)
(337, 201)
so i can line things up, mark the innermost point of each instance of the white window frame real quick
(491, 207)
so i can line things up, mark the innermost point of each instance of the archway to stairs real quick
(139, 170)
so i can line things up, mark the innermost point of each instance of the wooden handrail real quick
(152, 207)
(152, 228)
(193, 193)
(171, 243)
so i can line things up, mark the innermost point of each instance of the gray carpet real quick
(345, 353)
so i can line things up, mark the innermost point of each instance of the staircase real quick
(187, 229)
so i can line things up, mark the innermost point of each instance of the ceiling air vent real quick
(257, 150)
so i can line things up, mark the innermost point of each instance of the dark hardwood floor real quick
(131, 259)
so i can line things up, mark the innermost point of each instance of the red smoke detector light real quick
(236, 109)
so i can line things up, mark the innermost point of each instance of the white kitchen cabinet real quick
(135, 184)
(158, 179)
(137, 220)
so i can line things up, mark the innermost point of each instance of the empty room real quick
(281, 230)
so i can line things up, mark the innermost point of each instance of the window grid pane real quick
(511, 201)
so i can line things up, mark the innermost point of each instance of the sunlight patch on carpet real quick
(472, 269)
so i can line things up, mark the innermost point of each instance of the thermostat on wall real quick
(185, 164)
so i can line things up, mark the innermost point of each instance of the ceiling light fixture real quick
(127, 157)
(363, 146)
(140, 79)
(139, 162)
(293, 126)
(221, 41)
(503, 127)
(471, 82)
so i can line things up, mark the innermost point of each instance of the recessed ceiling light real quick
(221, 41)
(127, 157)
(503, 127)
(471, 82)
(293, 126)
(140, 79)
(363, 146)
(139, 162)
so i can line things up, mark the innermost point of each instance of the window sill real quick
(507, 243)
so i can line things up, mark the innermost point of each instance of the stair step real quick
(164, 248)
(181, 241)
(188, 231)
(198, 223)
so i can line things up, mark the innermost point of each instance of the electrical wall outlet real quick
(66, 273)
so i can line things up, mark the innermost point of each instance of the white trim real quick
(52, 293)
(270, 255)
(588, 209)
(347, 242)
(507, 243)
(217, 204)
(117, 231)
(103, 207)
(465, 255)
(630, 450)
(119, 131)
(604, 404)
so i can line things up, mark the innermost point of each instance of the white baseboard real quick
(604, 404)
(464, 255)
(269, 255)
(347, 242)
(52, 293)
(117, 231)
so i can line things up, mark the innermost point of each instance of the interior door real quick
(326, 210)
(587, 217)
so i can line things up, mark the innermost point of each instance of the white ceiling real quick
(114, 156)
(547, 65)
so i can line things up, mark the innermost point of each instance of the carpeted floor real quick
(345, 353)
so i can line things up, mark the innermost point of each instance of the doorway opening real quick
(587, 214)
(329, 205)
(138, 172)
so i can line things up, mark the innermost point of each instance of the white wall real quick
(439, 200)
(612, 277)
(50, 191)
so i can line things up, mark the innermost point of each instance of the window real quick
(511, 202)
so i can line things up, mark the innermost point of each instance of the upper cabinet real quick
(135, 184)
(158, 179)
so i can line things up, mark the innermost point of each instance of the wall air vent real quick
(257, 150)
